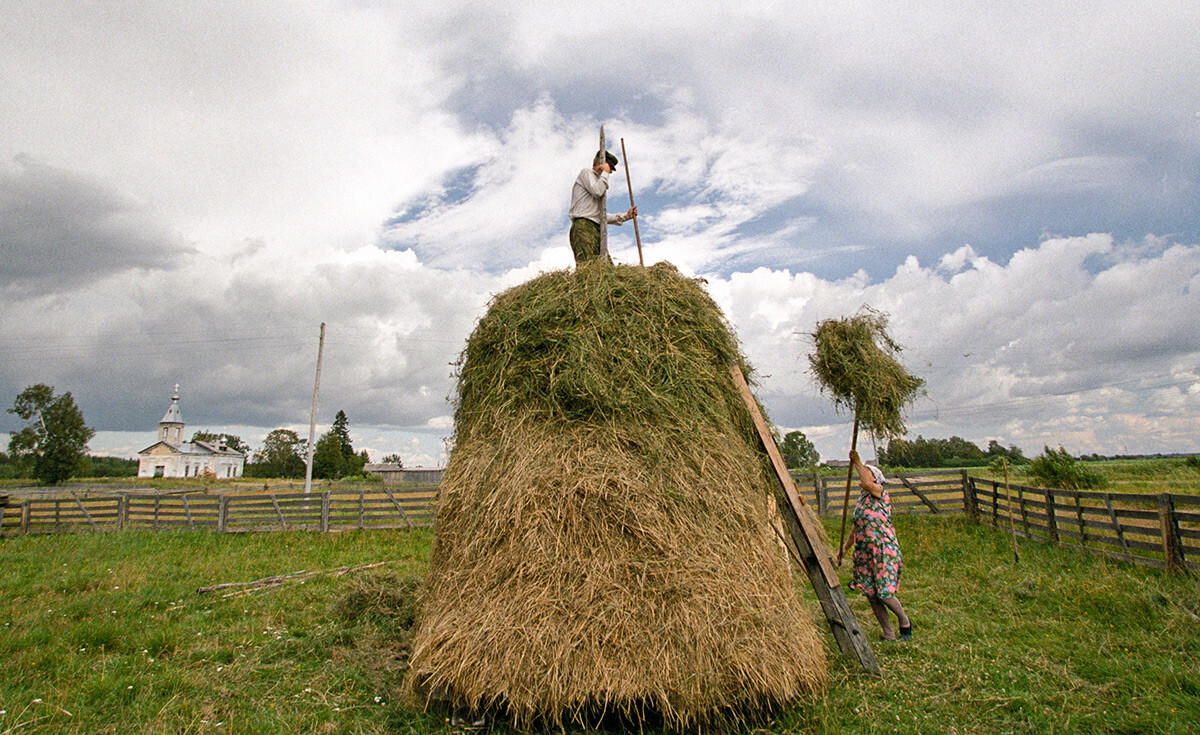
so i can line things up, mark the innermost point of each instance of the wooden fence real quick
(407, 507)
(1155, 530)
(930, 491)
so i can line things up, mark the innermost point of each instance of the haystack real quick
(602, 539)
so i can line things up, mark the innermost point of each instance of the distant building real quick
(394, 474)
(171, 456)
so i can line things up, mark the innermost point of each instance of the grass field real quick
(106, 633)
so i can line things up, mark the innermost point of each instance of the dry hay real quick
(855, 361)
(602, 539)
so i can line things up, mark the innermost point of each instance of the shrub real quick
(1059, 469)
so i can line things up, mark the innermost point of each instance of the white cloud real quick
(1041, 350)
(224, 179)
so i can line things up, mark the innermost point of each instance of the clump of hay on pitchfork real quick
(602, 538)
(854, 360)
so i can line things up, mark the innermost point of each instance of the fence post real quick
(1079, 520)
(325, 512)
(1172, 547)
(1051, 518)
(822, 496)
(222, 513)
(360, 508)
(122, 511)
(970, 503)
(25, 513)
(1024, 514)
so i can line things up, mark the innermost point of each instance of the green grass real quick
(110, 629)
(1060, 642)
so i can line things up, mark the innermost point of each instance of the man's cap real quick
(612, 160)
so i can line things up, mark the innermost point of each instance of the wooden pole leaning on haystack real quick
(854, 361)
(636, 233)
(807, 547)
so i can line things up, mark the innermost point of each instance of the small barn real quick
(393, 474)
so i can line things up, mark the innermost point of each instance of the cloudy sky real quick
(188, 190)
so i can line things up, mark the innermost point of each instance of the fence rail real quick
(930, 491)
(1154, 530)
(406, 507)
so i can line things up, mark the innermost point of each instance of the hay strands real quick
(854, 361)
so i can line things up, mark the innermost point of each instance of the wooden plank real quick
(1185, 517)
(84, 510)
(1120, 533)
(785, 478)
(1172, 549)
(970, 499)
(834, 604)
(1079, 519)
(913, 489)
(816, 560)
(399, 510)
(279, 513)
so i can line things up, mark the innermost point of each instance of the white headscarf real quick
(878, 474)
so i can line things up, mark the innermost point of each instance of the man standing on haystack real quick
(590, 187)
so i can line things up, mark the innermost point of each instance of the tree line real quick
(952, 452)
(283, 454)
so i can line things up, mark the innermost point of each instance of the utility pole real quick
(312, 416)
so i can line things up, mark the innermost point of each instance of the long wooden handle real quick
(636, 233)
(603, 203)
(846, 501)
(1012, 526)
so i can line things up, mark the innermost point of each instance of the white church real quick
(171, 456)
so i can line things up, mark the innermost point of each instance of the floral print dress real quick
(877, 560)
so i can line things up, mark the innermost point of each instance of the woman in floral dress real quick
(877, 559)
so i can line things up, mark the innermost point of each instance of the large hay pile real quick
(602, 541)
